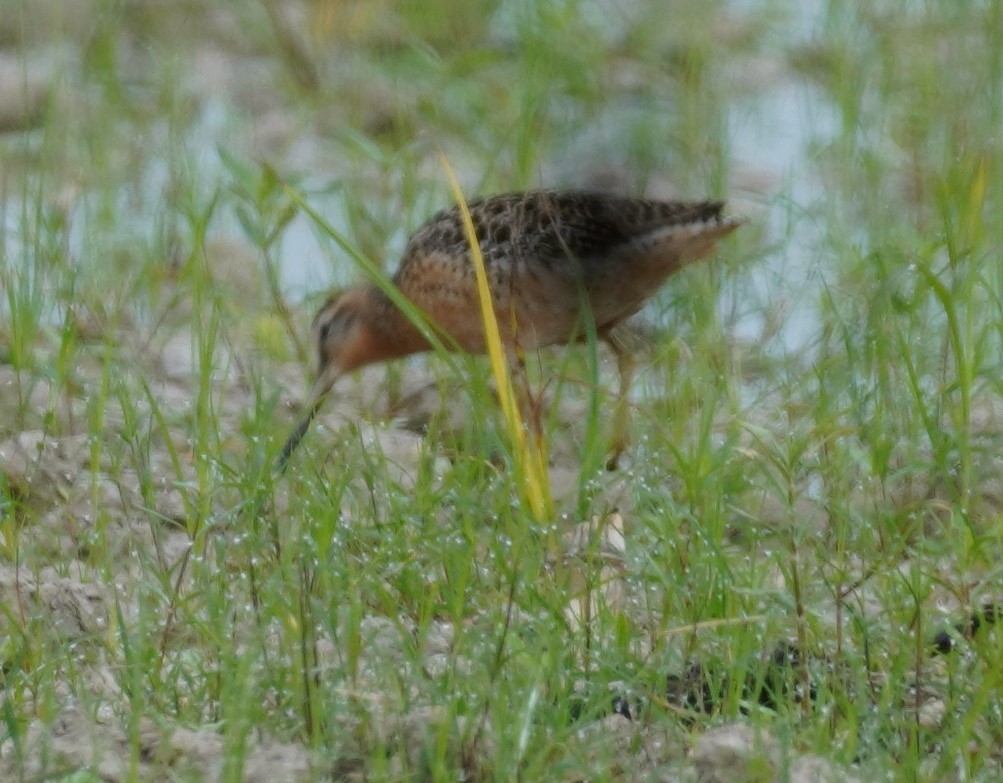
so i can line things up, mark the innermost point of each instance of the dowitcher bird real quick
(549, 255)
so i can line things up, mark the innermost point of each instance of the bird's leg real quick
(620, 439)
(529, 407)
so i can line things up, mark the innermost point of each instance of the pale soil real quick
(74, 505)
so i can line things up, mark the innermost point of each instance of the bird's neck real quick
(393, 334)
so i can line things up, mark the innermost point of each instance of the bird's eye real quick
(339, 323)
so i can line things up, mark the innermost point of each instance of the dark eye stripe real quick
(340, 321)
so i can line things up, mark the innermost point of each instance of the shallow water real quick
(771, 127)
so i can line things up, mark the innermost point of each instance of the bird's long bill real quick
(319, 391)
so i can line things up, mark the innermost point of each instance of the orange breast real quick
(535, 305)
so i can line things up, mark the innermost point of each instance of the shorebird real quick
(549, 256)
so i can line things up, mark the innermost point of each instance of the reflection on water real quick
(773, 130)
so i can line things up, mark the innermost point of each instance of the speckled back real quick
(547, 254)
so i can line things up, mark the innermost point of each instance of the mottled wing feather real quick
(544, 249)
(551, 226)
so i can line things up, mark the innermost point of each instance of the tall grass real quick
(529, 453)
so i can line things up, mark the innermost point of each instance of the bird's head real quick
(343, 340)
(342, 337)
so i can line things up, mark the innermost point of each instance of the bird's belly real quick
(616, 293)
(536, 306)
(529, 316)
(543, 307)
(525, 324)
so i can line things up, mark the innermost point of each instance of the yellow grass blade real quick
(530, 456)
(976, 202)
